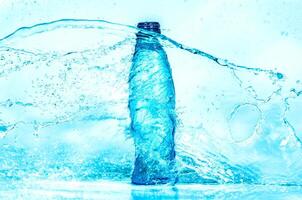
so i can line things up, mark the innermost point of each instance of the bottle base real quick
(155, 181)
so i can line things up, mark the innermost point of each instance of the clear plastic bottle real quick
(152, 110)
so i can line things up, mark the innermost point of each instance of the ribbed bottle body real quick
(152, 111)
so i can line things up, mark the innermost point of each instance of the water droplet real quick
(243, 122)
(9, 103)
(280, 75)
(3, 128)
(82, 97)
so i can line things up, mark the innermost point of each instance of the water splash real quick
(63, 108)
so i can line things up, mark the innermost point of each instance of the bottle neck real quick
(143, 38)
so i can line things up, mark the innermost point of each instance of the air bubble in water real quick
(243, 122)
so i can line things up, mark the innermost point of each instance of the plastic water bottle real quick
(152, 110)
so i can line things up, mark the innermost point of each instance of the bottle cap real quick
(149, 26)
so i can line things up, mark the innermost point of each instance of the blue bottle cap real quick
(149, 26)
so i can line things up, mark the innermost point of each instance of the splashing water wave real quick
(63, 109)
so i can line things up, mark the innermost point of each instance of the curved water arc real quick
(133, 29)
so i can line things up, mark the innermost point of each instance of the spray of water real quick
(63, 108)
